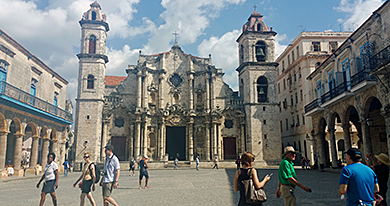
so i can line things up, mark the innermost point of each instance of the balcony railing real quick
(312, 105)
(22, 96)
(360, 77)
(335, 92)
(380, 59)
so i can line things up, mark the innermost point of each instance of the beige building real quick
(351, 89)
(33, 119)
(174, 104)
(306, 52)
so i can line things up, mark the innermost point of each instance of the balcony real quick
(16, 98)
(362, 80)
(313, 107)
(336, 94)
(380, 61)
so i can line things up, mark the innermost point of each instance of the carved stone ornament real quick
(175, 119)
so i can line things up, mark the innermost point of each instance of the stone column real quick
(131, 146)
(34, 151)
(242, 136)
(18, 155)
(104, 141)
(212, 91)
(160, 92)
(191, 139)
(137, 140)
(207, 93)
(215, 146)
(367, 146)
(145, 142)
(333, 149)
(3, 148)
(45, 151)
(347, 136)
(139, 93)
(162, 142)
(322, 148)
(191, 88)
(207, 131)
(145, 90)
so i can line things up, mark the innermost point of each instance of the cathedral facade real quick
(174, 104)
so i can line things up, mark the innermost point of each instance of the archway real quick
(376, 126)
(14, 129)
(324, 145)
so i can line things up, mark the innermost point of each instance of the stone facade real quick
(351, 89)
(174, 104)
(306, 52)
(33, 114)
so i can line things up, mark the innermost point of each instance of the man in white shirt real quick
(110, 177)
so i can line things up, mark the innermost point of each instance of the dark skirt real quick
(48, 186)
(86, 187)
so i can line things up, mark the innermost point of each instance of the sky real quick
(50, 30)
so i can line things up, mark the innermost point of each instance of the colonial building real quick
(174, 104)
(33, 119)
(351, 88)
(306, 52)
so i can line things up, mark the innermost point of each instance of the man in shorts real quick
(110, 176)
(143, 171)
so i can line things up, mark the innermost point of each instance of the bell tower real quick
(91, 83)
(257, 85)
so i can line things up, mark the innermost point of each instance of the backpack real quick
(97, 172)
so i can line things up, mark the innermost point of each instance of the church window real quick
(175, 80)
(258, 27)
(263, 108)
(90, 81)
(229, 123)
(87, 116)
(265, 121)
(260, 51)
(93, 16)
(262, 89)
(119, 122)
(92, 44)
(316, 46)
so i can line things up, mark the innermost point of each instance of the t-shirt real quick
(176, 161)
(142, 166)
(66, 165)
(49, 171)
(361, 182)
(382, 173)
(110, 167)
(286, 170)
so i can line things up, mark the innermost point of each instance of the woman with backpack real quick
(89, 179)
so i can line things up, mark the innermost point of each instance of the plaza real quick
(176, 187)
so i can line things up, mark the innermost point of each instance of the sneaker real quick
(140, 188)
(148, 187)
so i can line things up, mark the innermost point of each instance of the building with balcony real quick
(33, 119)
(351, 89)
(306, 52)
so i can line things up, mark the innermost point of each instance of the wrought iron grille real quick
(176, 80)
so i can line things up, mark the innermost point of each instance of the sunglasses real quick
(86, 156)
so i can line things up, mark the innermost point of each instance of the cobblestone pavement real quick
(176, 187)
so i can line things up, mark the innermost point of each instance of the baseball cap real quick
(355, 154)
(109, 147)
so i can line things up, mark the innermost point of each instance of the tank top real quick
(87, 172)
(142, 165)
(243, 176)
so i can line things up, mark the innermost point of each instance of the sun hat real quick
(355, 154)
(383, 158)
(289, 149)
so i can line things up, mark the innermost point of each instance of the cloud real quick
(224, 54)
(119, 60)
(279, 48)
(357, 12)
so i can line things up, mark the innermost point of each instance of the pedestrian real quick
(247, 160)
(315, 166)
(110, 177)
(175, 163)
(132, 166)
(215, 162)
(143, 171)
(71, 166)
(307, 164)
(89, 179)
(381, 170)
(288, 179)
(197, 163)
(50, 174)
(66, 167)
(303, 162)
(238, 160)
(357, 180)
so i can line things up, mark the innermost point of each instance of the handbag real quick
(253, 196)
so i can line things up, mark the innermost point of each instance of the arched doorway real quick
(376, 126)
(14, 129)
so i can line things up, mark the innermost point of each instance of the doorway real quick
(176, 143)
(229, 148)
(119, 144)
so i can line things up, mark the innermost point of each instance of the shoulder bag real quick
(252, 195)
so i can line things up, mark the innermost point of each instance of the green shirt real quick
(286, 170)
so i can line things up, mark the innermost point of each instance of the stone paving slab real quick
(176, 187)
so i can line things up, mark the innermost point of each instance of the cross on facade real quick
(255, 7)
(175, 34)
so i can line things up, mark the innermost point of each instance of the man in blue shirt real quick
(357, 180)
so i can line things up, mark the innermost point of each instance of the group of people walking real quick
(363, 184)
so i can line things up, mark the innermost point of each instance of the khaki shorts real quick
(288, 194)
(107, 189)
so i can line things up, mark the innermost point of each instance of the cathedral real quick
(174, 104)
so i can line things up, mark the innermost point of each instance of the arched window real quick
(258, 27)
(93, 15)
(260, 51)
(92, 44)
(3, 70)
(90, 81)
(262, 89)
